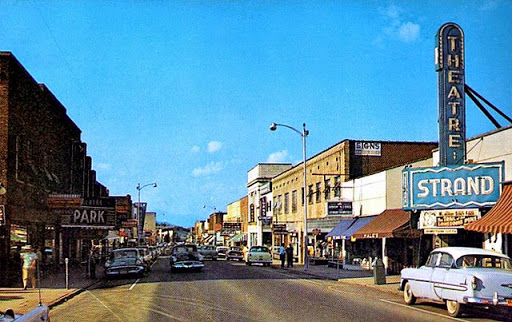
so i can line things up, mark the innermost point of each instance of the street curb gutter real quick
(372, 286)
(70, 295)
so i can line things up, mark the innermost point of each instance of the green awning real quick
(238, 238)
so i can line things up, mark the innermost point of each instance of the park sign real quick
(466, 186)
(449, 59)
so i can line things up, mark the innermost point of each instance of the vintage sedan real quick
(235, 253)
(124, 261)
(460, 276)
(208, 252)
(259, 255)
(186, 257)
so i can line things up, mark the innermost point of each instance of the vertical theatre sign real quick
(449, 58)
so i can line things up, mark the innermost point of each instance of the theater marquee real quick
(467, 186)
(449, 57)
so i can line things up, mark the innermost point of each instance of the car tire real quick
(409, 298)
(454, 308)
(248, 263)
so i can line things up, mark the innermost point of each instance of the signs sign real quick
(339, 208)
(367, 148)
(467, 186)
(450, 218)
(452, 107)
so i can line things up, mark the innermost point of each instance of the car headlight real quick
(107, 264)
(138, 262)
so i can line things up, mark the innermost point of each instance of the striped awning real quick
(385, 225)
(499, 218)
(238, 238)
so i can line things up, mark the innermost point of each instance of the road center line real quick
(420, 310)
(133, 285)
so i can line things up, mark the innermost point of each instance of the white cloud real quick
(195, 149)
(398, 27)
(214, 146)
(409, 31)
(278, 157)
(210, 168)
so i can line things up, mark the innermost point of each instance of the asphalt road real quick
(231, 291)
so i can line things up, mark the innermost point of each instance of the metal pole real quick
(304, 135)
(67, 273)
(138, 216)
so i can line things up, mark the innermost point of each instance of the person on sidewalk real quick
(93, 260)
(29, 260)
(282, 254)
(289, 255)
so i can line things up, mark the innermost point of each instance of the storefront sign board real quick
(467, 186)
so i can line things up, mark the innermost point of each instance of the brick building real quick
(41, 154)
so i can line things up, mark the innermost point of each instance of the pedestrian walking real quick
(93, 260)
(282, 254)
(29, 266)
(289, 255)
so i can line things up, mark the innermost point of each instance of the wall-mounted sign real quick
(440, 231)
(449, 218)
(452, 107)
(367, 148)
(339, 208)
(467, 186)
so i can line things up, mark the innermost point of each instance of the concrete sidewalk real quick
(53, 286)
(53, 290)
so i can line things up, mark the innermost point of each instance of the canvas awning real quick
(238, 238)
(388, 224)
(499, 218)
(338, 232)
(358, 223)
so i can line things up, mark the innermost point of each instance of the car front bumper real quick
(124, 270)
(187, 265)
(496, 300)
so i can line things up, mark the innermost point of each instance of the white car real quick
(460, 276)
(259, 255)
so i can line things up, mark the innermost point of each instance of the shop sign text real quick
(451, 79)
(467, 186)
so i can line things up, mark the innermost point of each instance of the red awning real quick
(387, 224)
(499, 218)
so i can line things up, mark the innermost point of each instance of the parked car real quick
(208, 252)
(186, 257)
(146, 256)
(124, 261)
(235, 253)
(259, 255)
(221, 251)
(460, 276)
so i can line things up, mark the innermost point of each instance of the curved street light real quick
(303, 134)
(140, 229)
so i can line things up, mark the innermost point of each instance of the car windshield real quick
(259, 249)
(124, 254)
(185, 249)
(485, 261)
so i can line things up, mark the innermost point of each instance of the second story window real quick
(294, 201)
(286, 203)
(318, 192)
(327, 191)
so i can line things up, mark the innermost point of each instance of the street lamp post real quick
(140, 229)
(303, 134)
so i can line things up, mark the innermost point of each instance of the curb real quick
(72, 294)
(372, 286)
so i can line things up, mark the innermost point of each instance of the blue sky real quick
(182, 93)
